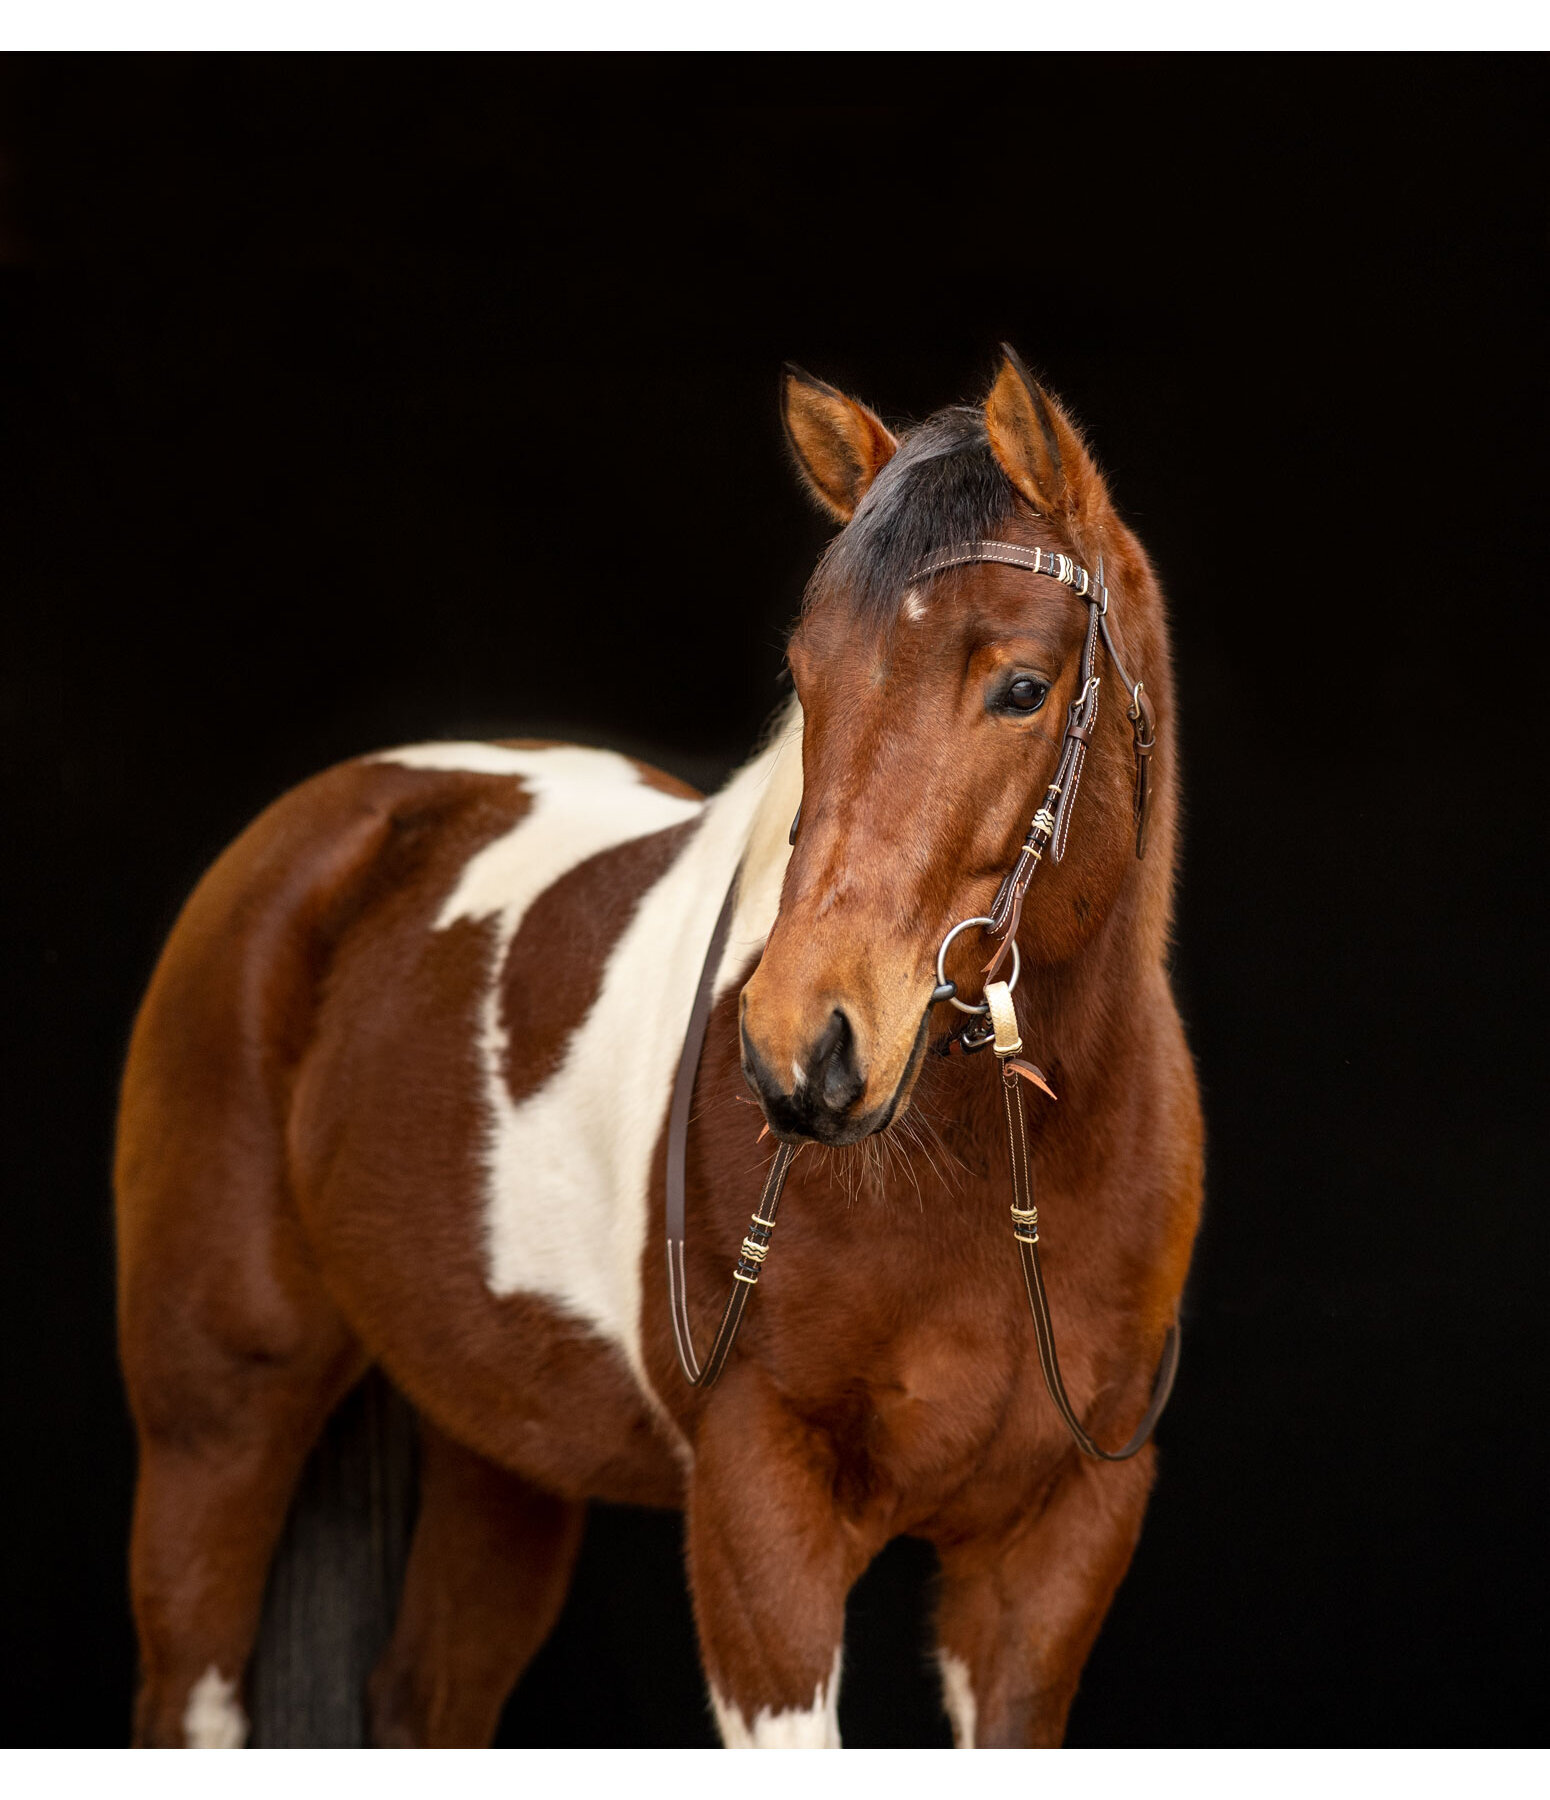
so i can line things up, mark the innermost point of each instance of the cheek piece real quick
(992, 1021)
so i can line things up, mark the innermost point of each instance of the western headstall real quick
(991, 1022)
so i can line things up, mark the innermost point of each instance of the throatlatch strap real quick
(756, 1245)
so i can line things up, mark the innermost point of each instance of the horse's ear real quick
(1038, 446)
(839, 444)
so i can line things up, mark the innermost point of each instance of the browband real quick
(1019, 556)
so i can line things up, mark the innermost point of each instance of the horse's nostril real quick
(828, 1082)
(832, 1066)
(834, 1036)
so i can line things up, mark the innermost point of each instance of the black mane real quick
(942, 486)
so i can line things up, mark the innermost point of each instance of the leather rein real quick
(991, 1022)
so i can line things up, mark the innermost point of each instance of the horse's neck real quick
(751, 818)
(1076, 1012)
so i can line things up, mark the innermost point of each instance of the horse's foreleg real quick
(488, 1572)
(770, 1564)
(1018, 1614)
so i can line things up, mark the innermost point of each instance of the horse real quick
(398, 1096)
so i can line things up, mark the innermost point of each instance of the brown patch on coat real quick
(554, 968)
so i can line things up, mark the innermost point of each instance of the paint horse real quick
(397, 1095)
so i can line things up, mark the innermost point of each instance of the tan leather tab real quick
(1032, 1072)
(1003, 1015)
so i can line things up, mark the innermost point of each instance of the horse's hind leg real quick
(488, 1572)
(233, 1367)
(215, 1481)
(234, 1353)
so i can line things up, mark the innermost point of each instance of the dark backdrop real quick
(349, 402)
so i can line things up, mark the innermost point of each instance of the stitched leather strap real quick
(1025, 1225)
(1017, 556)
(1081, 721)
(745, 1274)
(689, 1062)
(1143, 729)
(745, 1277)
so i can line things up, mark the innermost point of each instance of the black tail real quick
(337, 1574)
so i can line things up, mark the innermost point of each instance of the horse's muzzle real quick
(824, 1089)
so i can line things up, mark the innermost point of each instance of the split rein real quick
(992, 1022)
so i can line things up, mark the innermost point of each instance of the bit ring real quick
(941, 974)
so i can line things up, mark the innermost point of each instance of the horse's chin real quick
(835, 1134)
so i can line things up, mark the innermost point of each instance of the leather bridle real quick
(991, 1022)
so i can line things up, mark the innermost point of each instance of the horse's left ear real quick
(1038, 446)
(839, 444)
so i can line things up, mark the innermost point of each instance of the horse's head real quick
(935, 713)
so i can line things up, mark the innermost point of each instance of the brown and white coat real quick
(397, 1095)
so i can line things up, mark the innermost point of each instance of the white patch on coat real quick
(813, 1728)
(213, 1718)
(913, 607)
(473, 758)
(568, 1167)
(584, 801)
(958, 1697)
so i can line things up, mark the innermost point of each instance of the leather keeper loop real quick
(1003, 1015)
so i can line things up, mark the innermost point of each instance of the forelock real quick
(942, 486)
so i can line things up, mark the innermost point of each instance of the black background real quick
(352, 402)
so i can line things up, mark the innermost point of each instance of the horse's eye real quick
(1026, 694)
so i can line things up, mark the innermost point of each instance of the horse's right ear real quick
(839, 444)
(1037, 446)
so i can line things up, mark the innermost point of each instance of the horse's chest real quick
(911, 1412)
(908, 1346)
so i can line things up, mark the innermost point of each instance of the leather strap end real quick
(1032, 1072)
(1003, 950)
(1143, 801)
